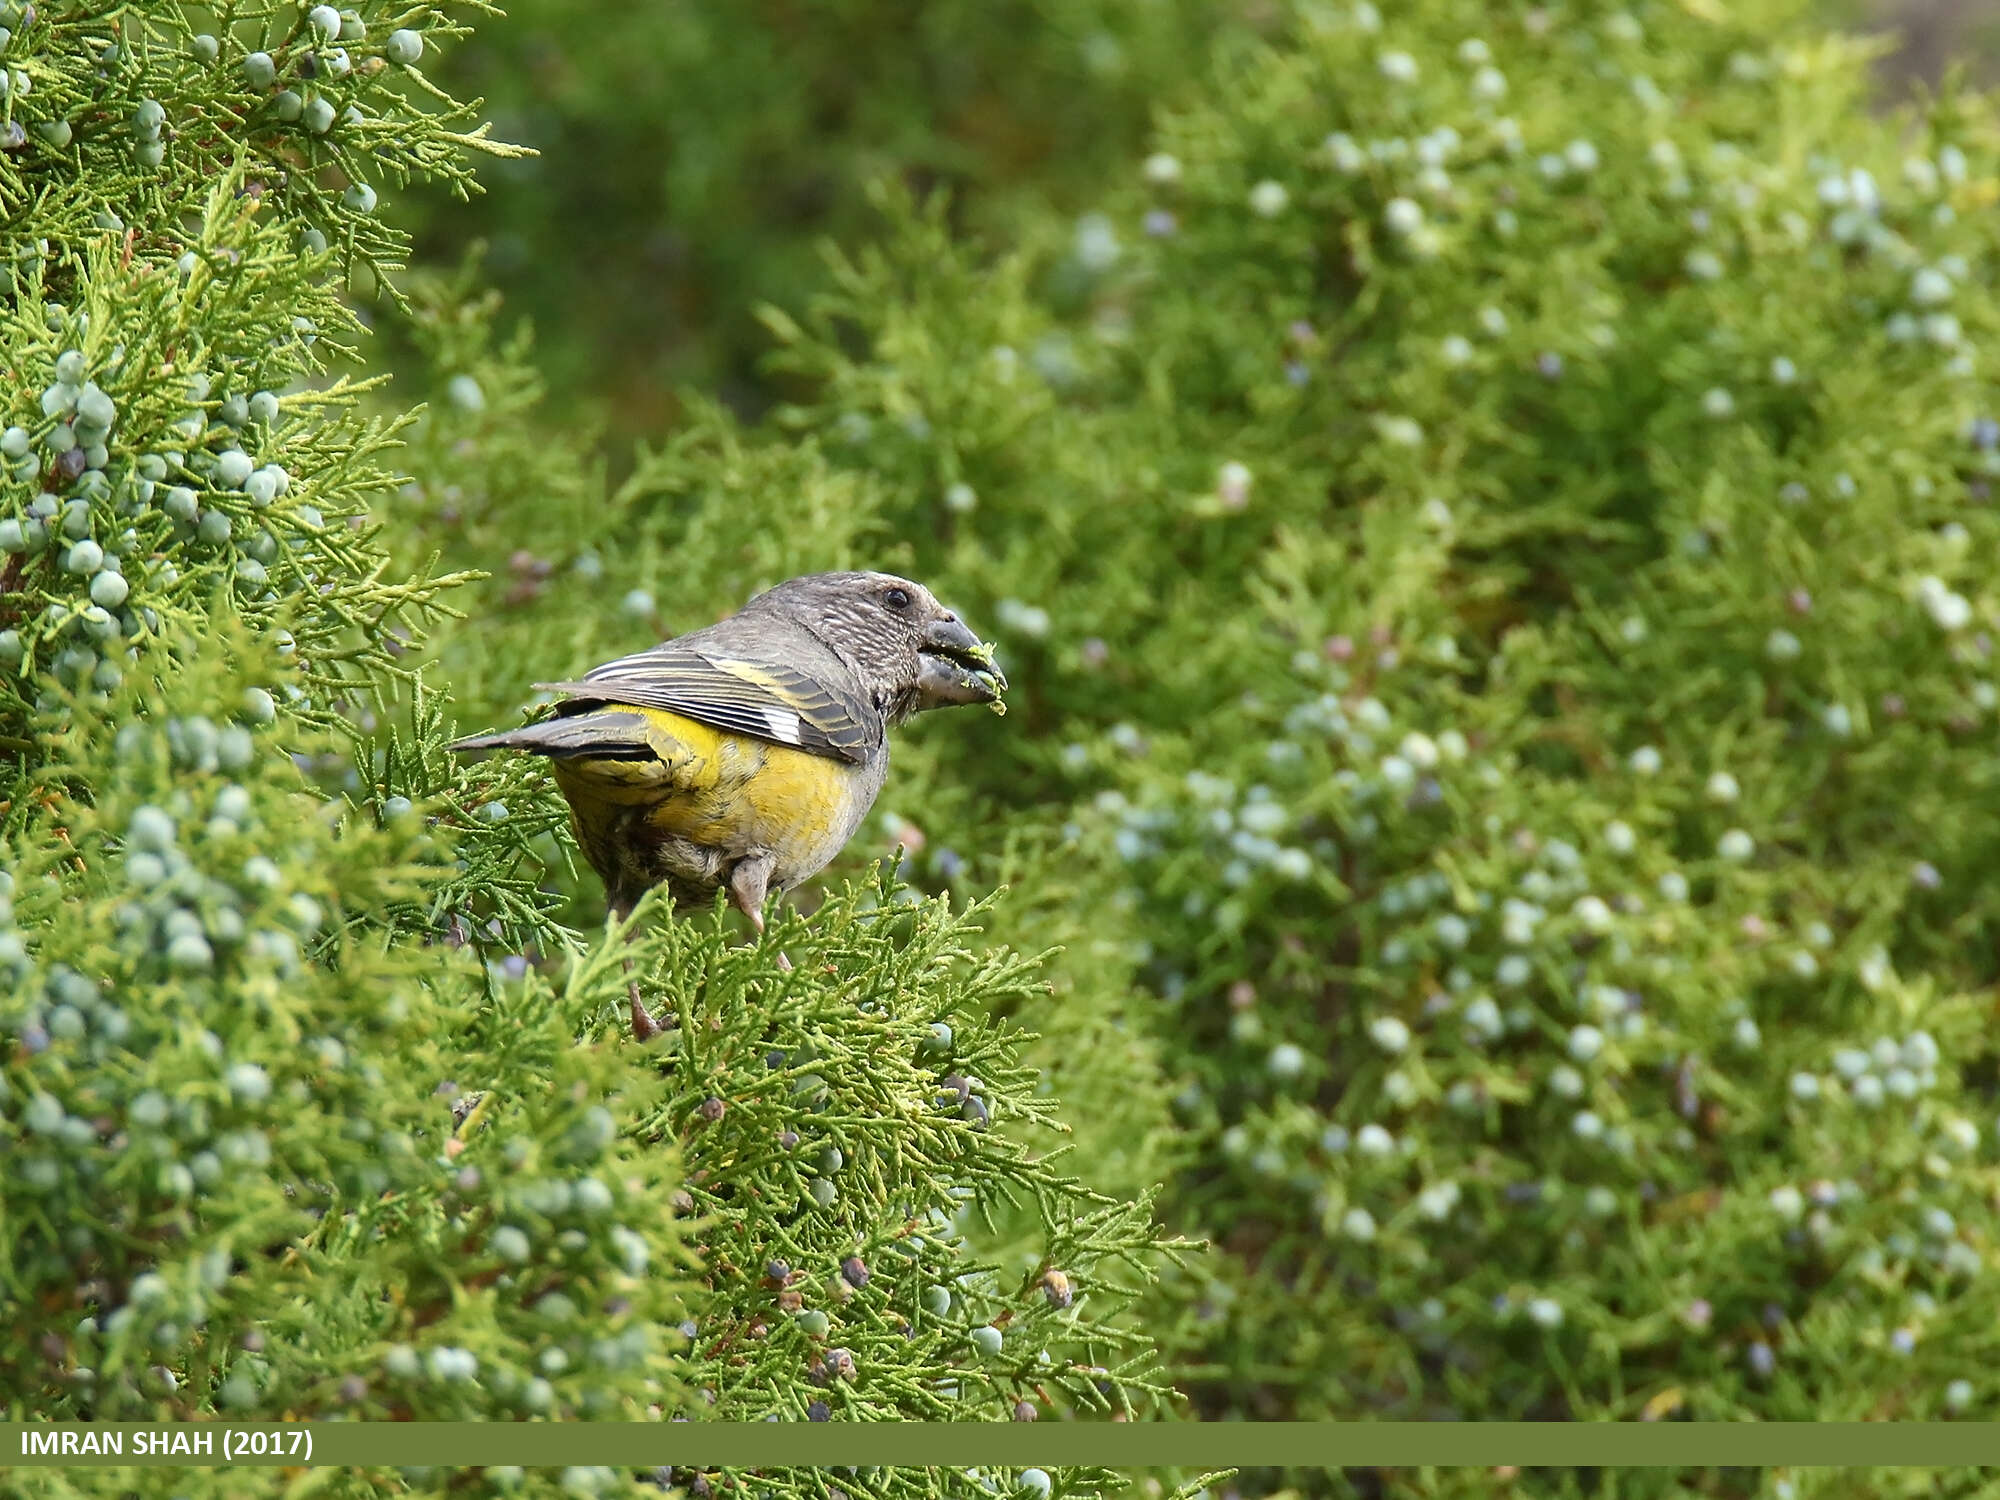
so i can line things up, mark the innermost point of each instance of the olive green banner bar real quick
(1112, 1445)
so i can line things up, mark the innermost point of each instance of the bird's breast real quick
(732, 794)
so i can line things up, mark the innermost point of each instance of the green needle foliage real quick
(246, 1174)
(701, 151)
(897, 1093)
(316, 1096)
(1486, 522)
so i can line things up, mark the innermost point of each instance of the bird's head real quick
(910, 649)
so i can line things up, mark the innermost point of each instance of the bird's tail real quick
(593, 734)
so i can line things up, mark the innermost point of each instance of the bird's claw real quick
(644, 1027)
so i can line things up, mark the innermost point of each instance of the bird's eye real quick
(896, 598)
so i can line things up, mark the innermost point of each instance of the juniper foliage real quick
(1485, 519)
(703, 151)
(314, 1099)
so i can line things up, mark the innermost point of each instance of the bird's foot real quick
(644, 1027)
(783, 962)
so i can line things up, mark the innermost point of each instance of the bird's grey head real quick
(914, 652)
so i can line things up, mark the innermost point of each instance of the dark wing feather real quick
(760, 698)
(599, 735)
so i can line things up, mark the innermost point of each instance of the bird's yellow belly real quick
(722, 793)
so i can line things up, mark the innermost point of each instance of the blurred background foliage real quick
(1485, 508)
(694, 159)
(1448, 481)
(693, 156)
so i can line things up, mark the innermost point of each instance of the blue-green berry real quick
(260, 69)
(261, 488)
(189, 953)
(264, 408)
(232, 467)
(319, 116)
(205, 48)
(149, 828)
(94, 407)
(15, 442)
(987, 1340)
(234, 748)
(13, 536)
(360, 197)
(511, 1244)
(84, 557)
(325, 20)
(287, 105)
(402, 1362)
(404, 46)
(72, 664)
(213, 528)
(56, 132)
(109, 589)
(181, 503)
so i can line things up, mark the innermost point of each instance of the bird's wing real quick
(764, 699)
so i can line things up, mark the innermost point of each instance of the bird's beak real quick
(955, 666)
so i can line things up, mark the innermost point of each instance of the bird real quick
(742, 756)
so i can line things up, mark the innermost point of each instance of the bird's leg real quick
(749, 883)
(644, 1027)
